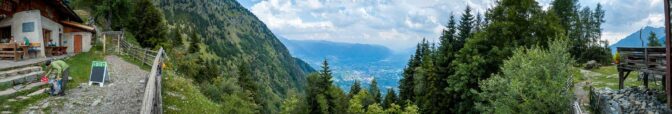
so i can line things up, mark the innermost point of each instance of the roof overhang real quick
(79, 26)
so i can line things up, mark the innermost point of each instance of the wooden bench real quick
(10, 50)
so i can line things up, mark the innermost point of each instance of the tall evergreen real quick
(375, 91)
(148, 25)
(407, 83)
(653, 40)
(390, 98)
(322, 95)
(466, 28)
(354, 89)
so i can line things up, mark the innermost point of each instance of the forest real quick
(516, 57)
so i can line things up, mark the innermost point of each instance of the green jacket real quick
(58, 67)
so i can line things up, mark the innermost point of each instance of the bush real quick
(532, 81)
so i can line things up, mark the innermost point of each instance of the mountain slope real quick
(236, 36)
(633, 40)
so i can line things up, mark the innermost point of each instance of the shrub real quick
(533, 80)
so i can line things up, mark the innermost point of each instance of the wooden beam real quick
(668, 48)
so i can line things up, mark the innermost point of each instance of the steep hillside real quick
(633, 40)
(238, 38)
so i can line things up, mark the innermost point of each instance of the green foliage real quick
(322, 96)
(390, 98)
(653, 40)
(533, 80)
(148, 25)
(512, 24)
(356, 105)
(354, 89)
(176, 90)
(292, 105)
(374, 109)
(583, 28)
(375, 92)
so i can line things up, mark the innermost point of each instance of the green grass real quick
(22, 104)
(189, 99)
(609, 78)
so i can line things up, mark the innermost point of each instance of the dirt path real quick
(582, 94)
(122, 95)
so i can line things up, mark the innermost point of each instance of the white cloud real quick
(400, 24)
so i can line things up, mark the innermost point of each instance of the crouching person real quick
(58, 76)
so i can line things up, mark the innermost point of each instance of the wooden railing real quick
(151, 103)
(144, 55)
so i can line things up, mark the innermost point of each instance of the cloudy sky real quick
(400, 24)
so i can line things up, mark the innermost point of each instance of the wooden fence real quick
(144, 55)
(151, 103)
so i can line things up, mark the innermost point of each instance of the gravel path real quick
(580, 93)
(121, 95)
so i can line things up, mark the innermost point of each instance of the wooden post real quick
(119, 42)
(620, 80)
(646, 80)
(668, 48)
(104, 43)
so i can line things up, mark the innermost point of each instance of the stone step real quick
(19, 71)
(11, 91)
(20, 79)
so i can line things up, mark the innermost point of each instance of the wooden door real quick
(78, 43)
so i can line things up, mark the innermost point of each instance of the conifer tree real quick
(390, 98)
(354, 89)
(374, 91)
(653, 40)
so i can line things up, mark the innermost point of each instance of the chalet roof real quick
(79, 26)
(62, 7)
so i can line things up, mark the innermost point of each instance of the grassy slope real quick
(609, 78)
(184, 97)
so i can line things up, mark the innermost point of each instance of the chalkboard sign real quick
(98, 73)
(28, 27)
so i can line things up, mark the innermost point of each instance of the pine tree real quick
(390, 98)
(653, 40)
(354, 89)
(466, 27)
(375, 91)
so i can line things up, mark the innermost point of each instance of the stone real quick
(45, 105)
(11, 100)
(22, 97)
(32, 107)
(95, 103)
(6, 112)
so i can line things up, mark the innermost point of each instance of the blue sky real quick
(400, 24)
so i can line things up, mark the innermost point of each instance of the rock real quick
(6, 106)
(32, 107)
(37, 92)
(11, 100)
(6, 112)
(45, 105)
(23, 97)
(95, 103)
(592, 64)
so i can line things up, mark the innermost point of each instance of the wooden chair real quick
(10, 50)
